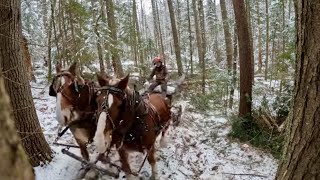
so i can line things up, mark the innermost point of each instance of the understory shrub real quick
(248, 131)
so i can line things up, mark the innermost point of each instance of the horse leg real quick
(125, 165)
(163, 140)
(83, 149)
(152, 162)
(81, 137)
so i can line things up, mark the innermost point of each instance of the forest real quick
(166, 89)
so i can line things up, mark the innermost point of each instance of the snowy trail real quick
(197, 149)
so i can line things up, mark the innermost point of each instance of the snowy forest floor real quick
(197, 149)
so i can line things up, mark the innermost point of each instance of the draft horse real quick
(129, 121)
(75, 105)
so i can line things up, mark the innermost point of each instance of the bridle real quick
(61, 88)
(105, 104)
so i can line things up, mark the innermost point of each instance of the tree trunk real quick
(267, 41)
(106, 46)
(98, 37)
(197, 28)
(216, 48)
(14, 163)
(155, 24)
(227, 35)
(53, 4)
(234, 68)
(259, 38)
(61, 34)
(139, 41)
(190, 37)
(283, 27)
(175, 38)
(160, 35)
(203, 44)
(16, 83)
(245, 56)
(49, 36)
(248, 13)
(113, 34)
(301, 154)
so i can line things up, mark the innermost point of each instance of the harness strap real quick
(157, 123)
(63, 131)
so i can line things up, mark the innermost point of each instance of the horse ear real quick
(123, 82)
(73, 68)
(58, 67)
(102, 80)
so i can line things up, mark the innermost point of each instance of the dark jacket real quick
(160, 72)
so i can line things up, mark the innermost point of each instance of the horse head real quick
(69, 89)
(112, 99)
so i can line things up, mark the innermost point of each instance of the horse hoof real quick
(132, 177)
(153, 177)
(103, 158)
(163, 142)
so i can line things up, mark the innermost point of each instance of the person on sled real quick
(161, 73)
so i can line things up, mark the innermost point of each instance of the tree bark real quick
(196, 24)
(302, 148)
(14, 163)
(245, 56)
(53, 4)
(160, 34)
(106, 46)
(116, 63)
(259, 38)
(234, 68)
(203, 44)
(175, 38)
(98, 37)
(17, 85)
(190, 37)
(267, 41)
(139, 41)
(227, 35)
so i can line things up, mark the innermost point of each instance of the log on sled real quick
(90, 165)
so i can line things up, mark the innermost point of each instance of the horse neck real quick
(129, 113)
(86, 101)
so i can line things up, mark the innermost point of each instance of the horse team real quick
(110, 114)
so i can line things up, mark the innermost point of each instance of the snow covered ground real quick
(198, 148)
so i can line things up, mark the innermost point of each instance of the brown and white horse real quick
(129, 121)
(75, 105)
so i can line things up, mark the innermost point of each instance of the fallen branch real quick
(182, 173)
(66, 145)
(236, 174)
(89, 164)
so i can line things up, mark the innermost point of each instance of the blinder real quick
(105, 105)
